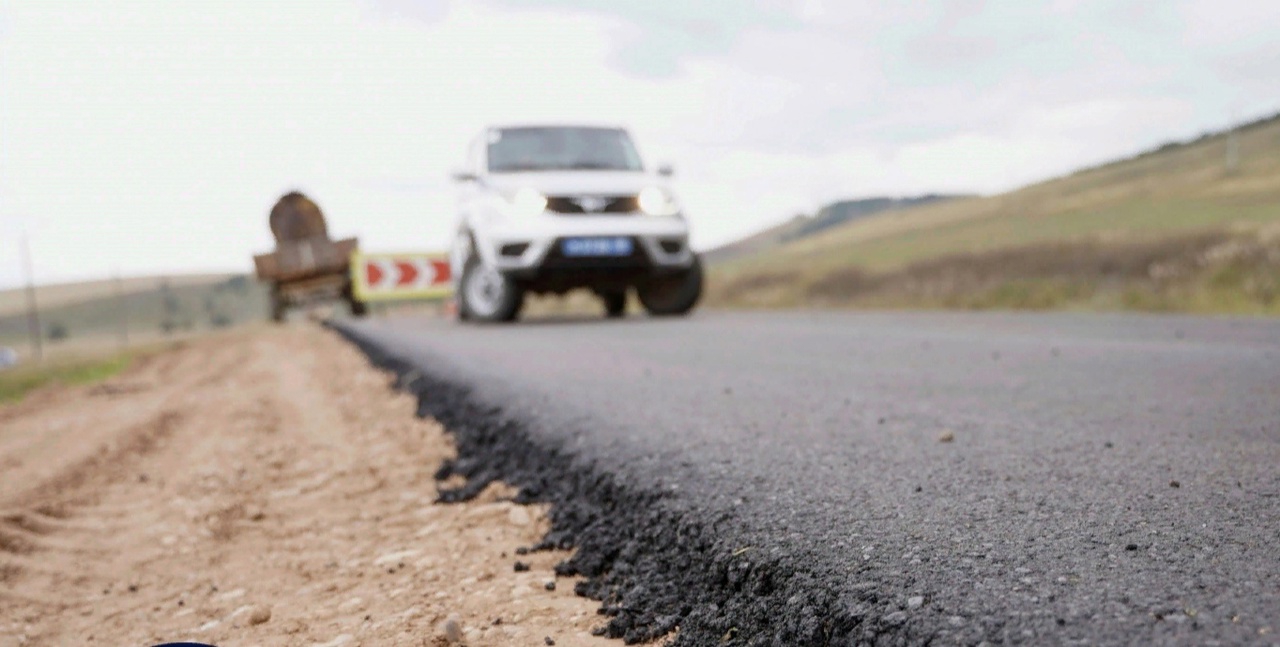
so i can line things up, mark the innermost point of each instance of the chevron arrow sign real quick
(392, 276)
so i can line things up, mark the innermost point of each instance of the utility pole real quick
(1233, 150)
(122, 306)
(1233, 142)
(33, 309)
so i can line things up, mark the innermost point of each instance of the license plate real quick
(618, 246)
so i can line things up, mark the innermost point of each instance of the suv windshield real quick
(558, 149)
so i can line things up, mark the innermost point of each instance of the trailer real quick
(307, 267)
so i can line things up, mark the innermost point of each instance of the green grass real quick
(19, 381)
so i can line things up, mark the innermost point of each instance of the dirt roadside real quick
(258, 488)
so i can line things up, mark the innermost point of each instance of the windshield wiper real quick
(517, 168)
(576, 166)
(594, 166)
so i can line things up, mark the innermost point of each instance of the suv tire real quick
(487, 295)
(615, 303)
(672, 295)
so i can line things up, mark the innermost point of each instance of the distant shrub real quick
(238, 283)
(57, 331)
(169, 326)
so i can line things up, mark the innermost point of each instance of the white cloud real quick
(1227, 23)
(152, 135)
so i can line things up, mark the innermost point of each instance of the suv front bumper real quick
(529, 250)
(531, 246)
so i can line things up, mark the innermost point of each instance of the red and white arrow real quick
(405, 274)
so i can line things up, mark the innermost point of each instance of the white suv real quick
(557, 208)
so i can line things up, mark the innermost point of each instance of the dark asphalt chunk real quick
(784, 515)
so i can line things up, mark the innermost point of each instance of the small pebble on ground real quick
(452, 630)
(259, 615)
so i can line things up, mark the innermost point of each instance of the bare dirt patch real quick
(259, 488)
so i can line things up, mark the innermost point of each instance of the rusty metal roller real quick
(296, 217)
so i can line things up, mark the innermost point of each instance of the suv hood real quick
(576, 182)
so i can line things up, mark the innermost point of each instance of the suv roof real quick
(536, 124)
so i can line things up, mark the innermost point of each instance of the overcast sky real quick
(153, 135)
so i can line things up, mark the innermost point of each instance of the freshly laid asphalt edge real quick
(654, 567)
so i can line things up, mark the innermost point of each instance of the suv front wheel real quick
(485, 294)
(674, 294)
(615, 303)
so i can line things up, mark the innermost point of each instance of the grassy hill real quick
(1169, 229)
(147, 306)
(802, 226)
(59, 294)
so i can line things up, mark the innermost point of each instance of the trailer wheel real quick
(358, 308)
(278, 309)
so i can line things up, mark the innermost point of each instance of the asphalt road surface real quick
(898, 478)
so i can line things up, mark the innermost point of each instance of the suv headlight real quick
(657, 201)
(527, 202)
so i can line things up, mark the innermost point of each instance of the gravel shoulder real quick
(263, 487)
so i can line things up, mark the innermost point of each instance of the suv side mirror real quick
(464, 176)
(665, 170)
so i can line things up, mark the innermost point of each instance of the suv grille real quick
(606, 204)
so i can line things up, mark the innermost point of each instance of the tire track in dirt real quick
(136, 407)
(34, 546)
(267, 471)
